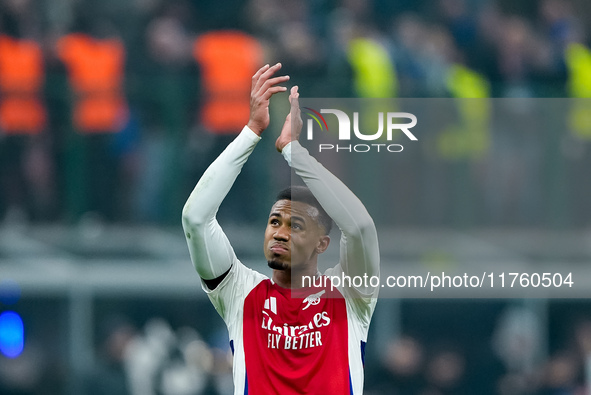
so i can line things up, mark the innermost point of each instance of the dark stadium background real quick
(92, 254)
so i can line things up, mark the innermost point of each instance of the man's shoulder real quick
(361, 304)
(229, 296)
(243, 274)
(239, 277)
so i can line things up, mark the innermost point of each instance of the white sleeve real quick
(211, 252)
(359, 251)
(228, 297)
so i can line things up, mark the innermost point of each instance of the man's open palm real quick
(263, 87)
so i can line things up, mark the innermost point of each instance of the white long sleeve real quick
(211, 252)
(359, 250)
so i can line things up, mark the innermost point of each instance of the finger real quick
(271, 70)
(257, 75)
(273, 81)
(294, 98)
(266, 75)
(293, 94)
(271, 91)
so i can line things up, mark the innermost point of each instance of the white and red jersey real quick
(309, 342)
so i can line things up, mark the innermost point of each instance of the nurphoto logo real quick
(394, 123)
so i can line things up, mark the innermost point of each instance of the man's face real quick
(293, 235)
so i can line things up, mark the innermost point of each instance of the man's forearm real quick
(210, 250)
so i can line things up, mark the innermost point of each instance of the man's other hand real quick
(263, 87)
(293, 122)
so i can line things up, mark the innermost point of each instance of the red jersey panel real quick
(295, 345)
(287, 343)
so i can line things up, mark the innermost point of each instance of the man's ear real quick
(323, 243)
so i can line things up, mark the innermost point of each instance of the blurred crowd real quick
(507, 357)
(495, 349)
(154, 359)
(110, 110)
(157, 360)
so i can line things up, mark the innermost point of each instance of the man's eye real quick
(296, 226)
(273, 222)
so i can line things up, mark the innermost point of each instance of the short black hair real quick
(300, 193)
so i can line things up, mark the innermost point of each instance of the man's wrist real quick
(247, 131)
(286, 152)
(255, 129)
(287, 146)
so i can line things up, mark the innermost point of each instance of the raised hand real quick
(263, 87)
(293, 122)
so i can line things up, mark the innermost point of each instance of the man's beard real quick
(276, 265)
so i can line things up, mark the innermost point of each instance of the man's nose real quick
(282, 233)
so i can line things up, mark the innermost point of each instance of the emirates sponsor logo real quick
(295, 337)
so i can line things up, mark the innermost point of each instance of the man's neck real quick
(294, 279)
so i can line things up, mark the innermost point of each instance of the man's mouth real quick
(279, 249)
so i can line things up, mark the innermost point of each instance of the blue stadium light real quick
(12, 334)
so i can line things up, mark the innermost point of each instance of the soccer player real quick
(313, 342)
